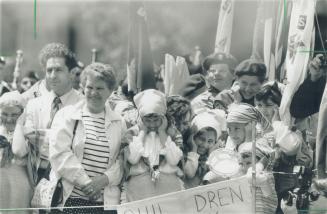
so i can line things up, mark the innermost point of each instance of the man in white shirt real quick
(57, 61)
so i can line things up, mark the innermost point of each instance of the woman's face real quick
(205, 141)
(249, 86)
(27, 83)
(237, 132)
(266, 108)
(96, 93)
(220, 77)
(9, 116)
(152, 121)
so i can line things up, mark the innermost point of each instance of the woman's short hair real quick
(57, 50)
(252, 67)
(102, 72)
(271, 92)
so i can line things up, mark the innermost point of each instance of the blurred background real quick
(174, 27)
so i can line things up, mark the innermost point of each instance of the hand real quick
(93, 189)
(289, 209)
(194, 146)
(226, 96)
(141, 125)
(164, 125)
(314, 68)
(36, 137)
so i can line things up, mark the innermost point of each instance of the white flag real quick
(297, 57)
(224, 28)
(176, 73)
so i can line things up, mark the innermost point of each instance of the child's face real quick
(205, 141)
(152, 121)
(246, 162)
(266, 108)
(237, 132)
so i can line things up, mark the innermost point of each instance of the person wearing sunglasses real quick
(15, 188)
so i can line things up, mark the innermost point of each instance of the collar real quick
(64, 98)
(109, 113)
(213, 90)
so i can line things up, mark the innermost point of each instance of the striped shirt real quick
(96, 150)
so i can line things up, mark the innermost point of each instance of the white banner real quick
(225, 26)
(175, 75)
(298, 51)
(232, 196)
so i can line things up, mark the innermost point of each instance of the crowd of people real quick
(103, 145)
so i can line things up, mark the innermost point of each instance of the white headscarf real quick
(214, 119)
(150, 101)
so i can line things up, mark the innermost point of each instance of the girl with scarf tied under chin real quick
(152, 154)
(206, 131)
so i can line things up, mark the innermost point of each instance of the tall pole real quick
(253, 126)
(17, 70)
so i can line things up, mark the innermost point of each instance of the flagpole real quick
(253, 126)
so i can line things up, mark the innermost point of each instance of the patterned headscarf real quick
(177, 107)
(244, 113)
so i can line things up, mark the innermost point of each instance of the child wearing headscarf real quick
(239, 121)
(152, 154)
(206, 131)
(16, 191)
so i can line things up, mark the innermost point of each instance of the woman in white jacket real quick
(85, 143)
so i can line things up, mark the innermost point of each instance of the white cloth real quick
(152, 147)
(150, 101)
(215, 119)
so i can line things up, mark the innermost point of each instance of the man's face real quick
(220, 77)
(58, 75)
(249, 86)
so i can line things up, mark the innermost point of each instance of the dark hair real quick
(57, 50)
(32, 74)
(252, 67)
(271, 92)
(219, 58)
(124, 90)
